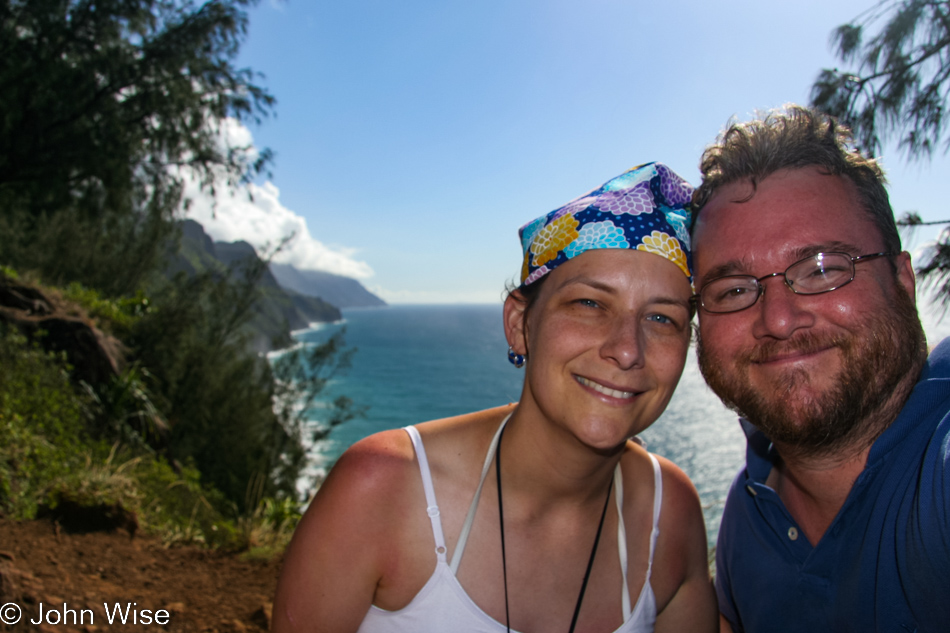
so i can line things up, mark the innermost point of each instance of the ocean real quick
(418, 363)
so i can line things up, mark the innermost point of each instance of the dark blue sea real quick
(418, 363)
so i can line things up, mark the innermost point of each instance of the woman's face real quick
(606, 341)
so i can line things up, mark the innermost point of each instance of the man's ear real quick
(905, 274)
(514, 315)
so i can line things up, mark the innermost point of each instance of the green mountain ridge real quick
(278, 310)
(341, 291)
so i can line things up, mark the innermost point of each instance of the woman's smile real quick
(615, 324)
(600, 388)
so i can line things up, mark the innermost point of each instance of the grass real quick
(49, 460)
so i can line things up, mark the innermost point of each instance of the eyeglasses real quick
(813, 275)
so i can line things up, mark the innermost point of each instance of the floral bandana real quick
(645, 208)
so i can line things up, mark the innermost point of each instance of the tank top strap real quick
(622, 543)
(622, 530)
(657, 504)
(432, 508)
(470, 517)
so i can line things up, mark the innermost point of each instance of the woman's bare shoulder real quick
(373, 461)
(370, 476)
(346, 542)
(681, 574)
(365, 539)
(383, 469)
(680, 498)
(679, 493)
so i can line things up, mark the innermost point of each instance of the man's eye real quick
(590, 303)
(659, 318)
(732, 292)
(827, 271)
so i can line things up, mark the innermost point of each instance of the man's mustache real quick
(804, 343)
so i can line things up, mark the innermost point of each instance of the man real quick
(809, 330)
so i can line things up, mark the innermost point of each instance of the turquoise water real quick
(418, 363)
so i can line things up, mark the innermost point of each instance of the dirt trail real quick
(201, 591)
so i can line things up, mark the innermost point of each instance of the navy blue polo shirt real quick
(883, 564)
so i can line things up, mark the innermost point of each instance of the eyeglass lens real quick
(813, 275)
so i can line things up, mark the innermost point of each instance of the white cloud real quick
(254, 213)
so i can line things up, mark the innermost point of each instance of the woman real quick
(542, 515)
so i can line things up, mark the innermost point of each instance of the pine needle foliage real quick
(897, 90)
(898, 86)
(103, 103)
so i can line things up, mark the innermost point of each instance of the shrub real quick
(42, 424)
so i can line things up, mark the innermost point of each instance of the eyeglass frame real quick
(698, 300)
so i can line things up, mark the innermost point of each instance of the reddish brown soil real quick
(202, 590)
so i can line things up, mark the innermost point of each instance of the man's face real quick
(808, 370)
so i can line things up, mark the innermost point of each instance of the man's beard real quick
(856, 405)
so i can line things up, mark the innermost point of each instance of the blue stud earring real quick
(515, 359)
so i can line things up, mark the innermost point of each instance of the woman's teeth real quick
(613, 393)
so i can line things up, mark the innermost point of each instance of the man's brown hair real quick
(794, 137)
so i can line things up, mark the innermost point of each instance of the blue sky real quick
(413, 138)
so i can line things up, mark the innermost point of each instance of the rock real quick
(262, 617)
(96, 357)
(29, 300)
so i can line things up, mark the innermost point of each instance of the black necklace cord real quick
(590, 563)
(504, 565)
(501, 521)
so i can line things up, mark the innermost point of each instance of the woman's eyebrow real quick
(673, 301)
(587, 281)
(599, 285)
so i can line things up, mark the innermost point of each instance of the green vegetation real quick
(107, 105)
(223, 471)
(42, 425)
(276, 310)
(182, 431)
(899, 86)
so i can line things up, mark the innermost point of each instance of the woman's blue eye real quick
(590, 303)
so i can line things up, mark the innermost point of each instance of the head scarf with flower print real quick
(645, 208)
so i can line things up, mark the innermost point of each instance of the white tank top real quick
(442, 604)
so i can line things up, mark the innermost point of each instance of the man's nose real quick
(781, 311)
